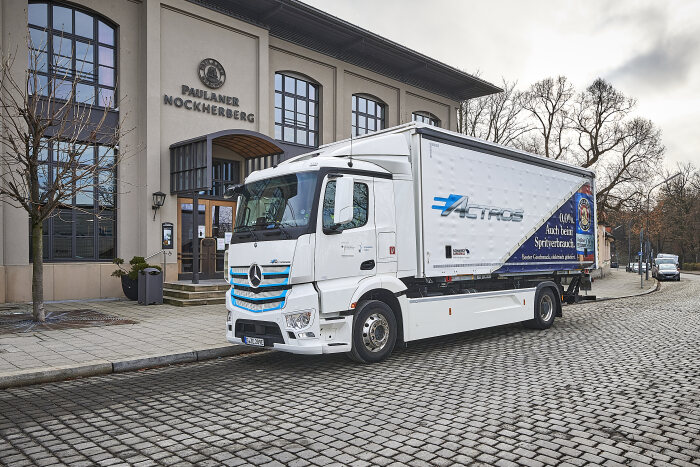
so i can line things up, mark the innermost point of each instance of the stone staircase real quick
(182, 293)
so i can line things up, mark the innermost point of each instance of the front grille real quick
(269, 295)
(267, 331)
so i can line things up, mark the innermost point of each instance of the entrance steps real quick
(185, 293)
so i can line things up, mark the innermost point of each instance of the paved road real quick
(612, 382)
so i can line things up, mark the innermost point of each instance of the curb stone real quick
(103, 367)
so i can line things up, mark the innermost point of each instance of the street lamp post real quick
(647, 217)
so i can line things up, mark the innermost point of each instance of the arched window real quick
(296, 110)
(426, 117)
(368, 114)
(67, 45)
(72, 45)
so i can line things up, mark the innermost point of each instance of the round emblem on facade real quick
(211, 73)
(254, 275)
(584, 214)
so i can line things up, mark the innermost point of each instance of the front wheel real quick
(545, 309)
(374, 331)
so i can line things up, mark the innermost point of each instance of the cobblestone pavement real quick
(614, 382)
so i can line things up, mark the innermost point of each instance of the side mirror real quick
(343, 208)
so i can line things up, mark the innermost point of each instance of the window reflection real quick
(367, 115)
(296, 110)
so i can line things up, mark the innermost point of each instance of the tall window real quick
(224, 173)
(70, 44)
(83, 228)
(426, 117)
(296, 110)
(367, 115)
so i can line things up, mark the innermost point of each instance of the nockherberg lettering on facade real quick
(214, 104)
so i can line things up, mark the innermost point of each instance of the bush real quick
(138, 263)
(691, 266)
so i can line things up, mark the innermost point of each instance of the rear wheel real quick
(545, 309)
(374, 332)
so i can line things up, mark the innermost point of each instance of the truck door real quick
(350, 250)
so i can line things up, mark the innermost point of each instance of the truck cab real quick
(311, 236)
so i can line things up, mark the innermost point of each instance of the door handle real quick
(367, 265)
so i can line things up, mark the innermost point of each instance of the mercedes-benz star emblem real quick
(254, 275)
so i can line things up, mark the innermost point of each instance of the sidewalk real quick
(619, 283)
(162, 335)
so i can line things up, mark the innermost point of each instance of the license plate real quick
(254, 341)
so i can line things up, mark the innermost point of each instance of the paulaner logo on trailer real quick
(461, 204)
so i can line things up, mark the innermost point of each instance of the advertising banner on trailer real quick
(487, 214)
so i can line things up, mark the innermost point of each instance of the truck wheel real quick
(374, 332)
(545, 309)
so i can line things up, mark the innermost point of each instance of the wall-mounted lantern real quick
(158, 202)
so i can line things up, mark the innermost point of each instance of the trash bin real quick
(150, 287)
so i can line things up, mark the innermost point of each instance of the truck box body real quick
(486, 209)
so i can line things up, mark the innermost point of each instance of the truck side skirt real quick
(449, 314)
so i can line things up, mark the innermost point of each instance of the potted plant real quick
(130, 278)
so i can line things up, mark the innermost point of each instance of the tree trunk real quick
(38, 272)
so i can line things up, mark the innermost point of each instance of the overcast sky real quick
(650, 50)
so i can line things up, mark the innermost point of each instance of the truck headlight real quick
(299, 320)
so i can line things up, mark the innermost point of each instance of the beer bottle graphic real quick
(585, 230)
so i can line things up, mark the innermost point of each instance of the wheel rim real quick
(375, 332)
(546, 307)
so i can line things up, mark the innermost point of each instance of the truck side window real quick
(360, 205)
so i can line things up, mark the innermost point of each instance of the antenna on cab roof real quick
(350, 161)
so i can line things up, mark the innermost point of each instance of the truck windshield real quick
(277, 202)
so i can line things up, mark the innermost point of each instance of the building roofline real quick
(309, 27)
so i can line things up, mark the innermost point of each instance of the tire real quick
(545, 309)
(374, 332)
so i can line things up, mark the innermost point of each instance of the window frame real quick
(426, 117)
(219, 164)
(343, 227)
(296, 125)
(98, 212)
(357, 114)
(51, 75)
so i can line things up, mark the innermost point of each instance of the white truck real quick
(404, 234)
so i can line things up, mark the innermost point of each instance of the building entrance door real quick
(215, 219)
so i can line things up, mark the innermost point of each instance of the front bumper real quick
(330, 335)
(668, 276)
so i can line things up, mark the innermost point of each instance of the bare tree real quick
(497, 117)
(40, 110)
(599, 116)
(548, 102)
(678, 214)
(625, 152)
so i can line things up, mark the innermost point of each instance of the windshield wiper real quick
(249, 232)
(280, 229)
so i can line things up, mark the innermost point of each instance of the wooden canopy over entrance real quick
(190, 160)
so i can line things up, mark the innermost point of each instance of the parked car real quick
(666, 268)
(614, 264)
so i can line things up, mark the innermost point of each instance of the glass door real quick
(221, 215)
(215, 222)
(184, 232)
